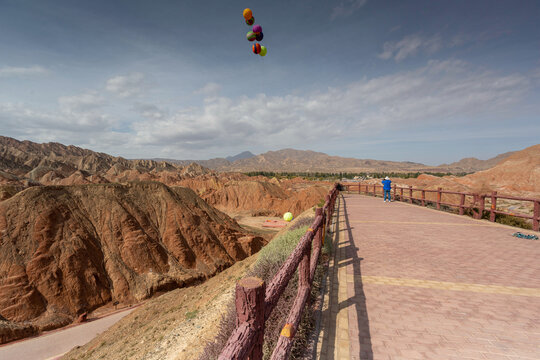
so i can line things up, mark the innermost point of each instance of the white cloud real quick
(84, 111)
(83, 102)
(410, 45)
(347, 8)
(150, 111)
(209, 89)
(10, 71)
(127, 86)
(437, 95)
(439, 92)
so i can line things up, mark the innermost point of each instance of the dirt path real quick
(56, 343)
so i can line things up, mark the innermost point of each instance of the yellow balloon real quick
(287, 216)
(248, 14)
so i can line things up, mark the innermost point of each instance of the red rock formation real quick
(236, 193)
(66, 250)
(517, 175)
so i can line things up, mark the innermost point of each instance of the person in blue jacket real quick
(387, 186)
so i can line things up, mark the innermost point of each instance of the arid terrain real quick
(291, 160)
(66, 250)
(81, 230)
(175, 326)
(54, 163)
(516, 175)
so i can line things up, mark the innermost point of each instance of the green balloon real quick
(251, 36)
(263, 51)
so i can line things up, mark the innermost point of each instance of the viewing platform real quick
(409, 282)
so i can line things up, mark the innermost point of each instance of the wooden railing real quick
(477, 205)
(255, 301)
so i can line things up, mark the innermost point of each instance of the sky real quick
(424, 81)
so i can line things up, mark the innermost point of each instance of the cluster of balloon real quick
(255, 33)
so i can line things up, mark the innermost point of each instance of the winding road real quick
(56, 343)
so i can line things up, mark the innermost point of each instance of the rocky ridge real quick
(68, 250)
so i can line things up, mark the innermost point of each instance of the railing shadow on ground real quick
(358, 299)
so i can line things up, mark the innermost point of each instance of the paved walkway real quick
(408, 282)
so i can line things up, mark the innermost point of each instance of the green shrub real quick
(191, 314)
(513, 221)
(327, 246)
(279, 249)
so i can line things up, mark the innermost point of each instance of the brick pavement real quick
(408, 282)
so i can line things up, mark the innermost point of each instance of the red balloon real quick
(256, 48)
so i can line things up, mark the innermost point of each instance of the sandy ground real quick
(255, 224)
(175, 325)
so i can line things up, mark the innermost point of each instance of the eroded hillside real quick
(65, 250)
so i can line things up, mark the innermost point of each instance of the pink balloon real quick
(257, 28)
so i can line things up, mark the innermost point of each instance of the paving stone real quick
(416, 283)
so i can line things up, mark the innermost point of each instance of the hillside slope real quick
(65, 250)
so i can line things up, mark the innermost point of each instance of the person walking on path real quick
(387, 186)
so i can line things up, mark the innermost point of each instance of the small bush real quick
(513, 221)
(307, 221)
(280, 248)
(327, 246)
(191, 314)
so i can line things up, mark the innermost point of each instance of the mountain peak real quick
(240, 156)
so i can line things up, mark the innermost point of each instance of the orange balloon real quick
(248, 14)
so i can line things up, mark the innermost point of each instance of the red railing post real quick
(481, 206)
(536, 215)
(476, 201)
(250, 294)
(401, 194)
(423, 197)
(493, 206)
(462, 205)
(394, 192)
(439, 196)
(359, 187)
(323, 227)
(374, 191)
(317, 244)
(410, 194)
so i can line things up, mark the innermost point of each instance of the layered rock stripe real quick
(67, 250)
(408, 282)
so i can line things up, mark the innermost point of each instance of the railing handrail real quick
(478, 201)
(246, 338)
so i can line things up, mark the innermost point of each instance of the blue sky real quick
(426, 81)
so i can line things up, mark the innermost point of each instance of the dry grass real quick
(172, 326)
(271, 257)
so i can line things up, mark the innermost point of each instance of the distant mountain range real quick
(215, 163)
(291, 160)
(29, 160)
(472, 164)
